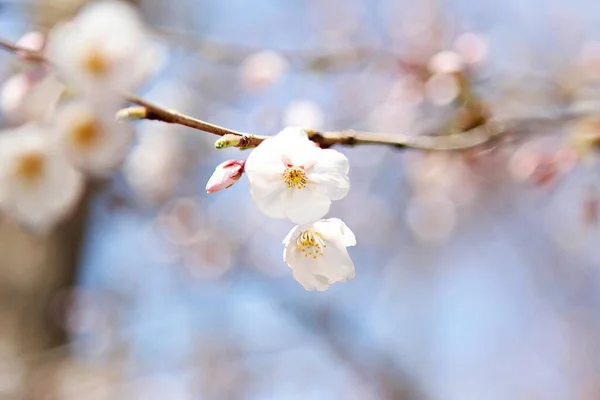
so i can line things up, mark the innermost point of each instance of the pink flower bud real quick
(226, 174)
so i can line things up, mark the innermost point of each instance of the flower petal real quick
(301, 269)
(335, 230)
(303, 206)
(268, 198)
(264, 164)
(291, 236)
(329, 174)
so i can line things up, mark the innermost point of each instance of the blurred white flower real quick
(264, 68)
(104, 48)
(317, 253)
(92, 138)
(304, 113)
(472, 48)
(442, 89)
(37, 186)
(445, 62)
(290, 176)
(30, 96)
(13, 92)
(153, 169)
(226, 174)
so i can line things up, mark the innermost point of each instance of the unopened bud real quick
(226, 174)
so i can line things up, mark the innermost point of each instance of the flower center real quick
(95, 63)
(85, 132)
(295, 177)
(30, 167)
(311, 244)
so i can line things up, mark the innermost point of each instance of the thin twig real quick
(478, 135)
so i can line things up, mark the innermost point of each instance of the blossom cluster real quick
(292, 177)
(92, 59)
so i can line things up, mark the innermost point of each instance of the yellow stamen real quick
(30, 167)
(95, 63)
(295, 177)
(85, 132)
(311, 244)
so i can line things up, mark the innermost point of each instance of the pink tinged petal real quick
(225, 175)
(14, 90)
(304, 205)
(335, 230)
(33, 41)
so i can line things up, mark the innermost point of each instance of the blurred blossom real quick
(209, 257)
(305, 113)
(432, 218)
(263, 69)
(442, 89)
(90, 136)
(181, 221)
(588, 61)
(445, 62)
(541, 162)
(31, 96)
(584, 136)
(37, 186)
(317, 254)
(13, 92)
(472, 48)
(103, 49)
(154, 167)
(33, 41)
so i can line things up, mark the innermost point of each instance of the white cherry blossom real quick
(91, 137)
(104, 48)
(317, 254)
(290, 176)
(38, 187)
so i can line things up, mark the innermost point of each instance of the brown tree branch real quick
(479, 134)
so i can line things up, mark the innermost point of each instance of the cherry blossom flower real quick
(317, 253)
(91, 138)
(37, 186)
(290, 176)
(103, 47)
(226, 174)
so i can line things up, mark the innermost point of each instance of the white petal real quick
(292, 133)
(334, 229)
(292, 236)
(268, 198)
(335, 264)
(264, 164)
(303, 206)
(301, 269)
(329, 174)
